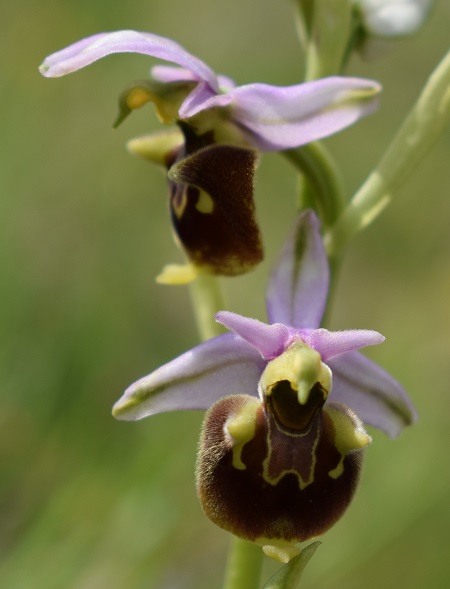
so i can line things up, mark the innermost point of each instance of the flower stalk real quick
(328, 38)
(207, 300)
(424, 125)
(244, 565)
(245, 558)
(322, 187)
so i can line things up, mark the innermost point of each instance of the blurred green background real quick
(87, 502)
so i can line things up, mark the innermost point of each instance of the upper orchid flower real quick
(270, 117)
(211, 157)
(283, 439)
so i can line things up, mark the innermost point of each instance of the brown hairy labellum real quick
(266, 480)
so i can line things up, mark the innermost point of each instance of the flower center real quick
(295, 385)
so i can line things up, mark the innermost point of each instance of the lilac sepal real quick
(233, 363)
(271, 117)
(169, 73)
(269, 340)
(298, 286)
(197, 97)
(91, 49)
(377, 398)
(225, 365)
(290, 116)
(335, 343)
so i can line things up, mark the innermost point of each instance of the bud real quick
(392, 18)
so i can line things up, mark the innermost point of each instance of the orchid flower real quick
(288, 402)
(211, 156)
(270, 117)
(233, 362)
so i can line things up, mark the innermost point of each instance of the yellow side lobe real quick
(350, 436)
(241, 429)
(205, 203)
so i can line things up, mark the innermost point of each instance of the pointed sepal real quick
(298, 286)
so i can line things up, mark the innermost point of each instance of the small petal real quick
(334, 343)
(225, 83)
(168, 73)
(290, 575)
(196, 99)
(91, 49)
(298, 285)
(285, 117)
(269, 340)
(176, 274)
(157, 147)
(377, 398)
(224, 365)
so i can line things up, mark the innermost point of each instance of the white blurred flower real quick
(393, 18)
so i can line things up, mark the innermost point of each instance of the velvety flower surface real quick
(211, 204)
(232, 363)
(283, 439)
(270, 117)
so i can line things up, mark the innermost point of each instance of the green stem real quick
(335, 263)
(423, 126)
(244, 565)
(304, 12)
(323, 188)
(207, 299)
(328, 39)
(323, 191)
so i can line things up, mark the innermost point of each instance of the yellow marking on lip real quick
(241, 428)
(205, 203)
(302, 483)
(350, 436)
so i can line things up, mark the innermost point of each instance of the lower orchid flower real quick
(211, 156)
(288, 402)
